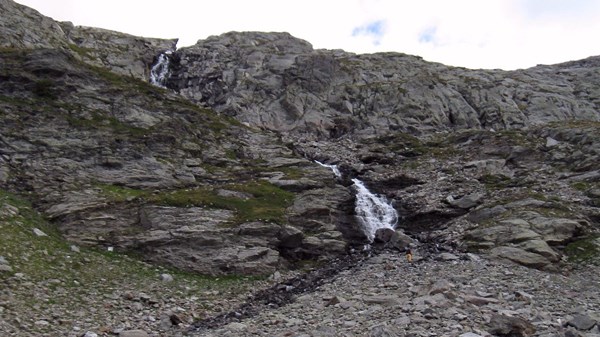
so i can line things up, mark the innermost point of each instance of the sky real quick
(489, 34)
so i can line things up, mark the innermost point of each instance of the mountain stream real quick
(373, 211)
(160, 70)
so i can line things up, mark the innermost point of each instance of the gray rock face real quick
(278, 82)
(121, 53)
(114, 161)
(23, 27)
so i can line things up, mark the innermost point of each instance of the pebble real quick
(166, 277)
(38, 232)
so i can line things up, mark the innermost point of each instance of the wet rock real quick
(383, 235)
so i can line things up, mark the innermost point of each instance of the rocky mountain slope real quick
(278, 82)
(216, 175)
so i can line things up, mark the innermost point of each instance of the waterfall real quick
(160, 70)
(334, 168)
(373, 211)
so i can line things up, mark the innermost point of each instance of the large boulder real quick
(520, 256)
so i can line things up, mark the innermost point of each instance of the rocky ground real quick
(52, 288)
(49, 287)
(443, 295)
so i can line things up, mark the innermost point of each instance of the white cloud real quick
(504, 34)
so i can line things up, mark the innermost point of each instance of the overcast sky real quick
(505, 34)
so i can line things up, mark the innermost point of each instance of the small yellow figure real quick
(409, 255)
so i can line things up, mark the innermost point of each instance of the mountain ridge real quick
(216, 174)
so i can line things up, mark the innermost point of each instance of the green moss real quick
(120, 193)
(290, 172)
(581, 185)
(267, 202)
(82, 51)
(231, 154)
(45, 89)
(50, 257)
(15, 100)
(100, 120)
(588, 188)
(401, 143)
(495, 181)
(586, 250)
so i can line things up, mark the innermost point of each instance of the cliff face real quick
(115, 161)
(278, 82)
(216, 173)
(23, 27)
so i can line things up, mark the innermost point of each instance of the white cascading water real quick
(334, 168)
(373, 212)
(160, 70)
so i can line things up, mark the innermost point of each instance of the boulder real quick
(556, 231)
(520, 256)
(467, 201)
(542, 248)
(384, 235)
(502, 325)
(582, 322)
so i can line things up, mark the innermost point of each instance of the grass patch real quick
(92, 272)
(402, 143)
(13, 100)
(121, 194)
(410, 146)
(495, 181)
(267, 202)
(81, 51)
(290, 172)
(584, 251)
(99, 120)
(45, 89)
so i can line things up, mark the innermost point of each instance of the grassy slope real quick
(52, 282)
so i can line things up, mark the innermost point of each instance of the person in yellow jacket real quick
(409, 255)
